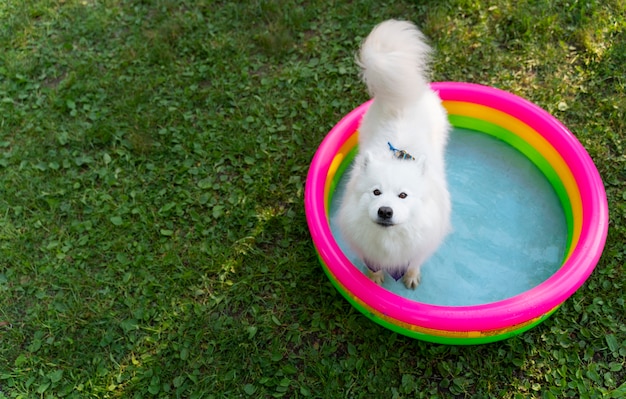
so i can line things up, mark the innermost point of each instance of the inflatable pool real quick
(493, 278)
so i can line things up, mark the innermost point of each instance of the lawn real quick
(153, 155)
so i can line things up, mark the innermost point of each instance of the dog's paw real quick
(377, 277)
(412, 278)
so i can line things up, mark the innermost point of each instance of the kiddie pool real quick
(527, 132)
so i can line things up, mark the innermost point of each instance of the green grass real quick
(152, 161)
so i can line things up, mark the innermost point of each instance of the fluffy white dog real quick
(396, 209)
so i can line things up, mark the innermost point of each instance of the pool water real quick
(509, 229)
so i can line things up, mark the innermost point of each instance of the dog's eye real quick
(402, 195)
(377, 192)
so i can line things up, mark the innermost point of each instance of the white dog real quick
(396, 209)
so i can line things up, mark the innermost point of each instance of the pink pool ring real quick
(540, 137)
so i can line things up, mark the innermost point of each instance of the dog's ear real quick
(364, 160)
(421, 164)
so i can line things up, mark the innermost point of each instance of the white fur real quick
(409, 115)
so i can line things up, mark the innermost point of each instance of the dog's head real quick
(389, 189)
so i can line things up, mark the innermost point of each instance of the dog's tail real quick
(394, 59)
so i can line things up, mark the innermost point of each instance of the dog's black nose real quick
(385, 212)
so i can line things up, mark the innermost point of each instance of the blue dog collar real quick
(400, 154)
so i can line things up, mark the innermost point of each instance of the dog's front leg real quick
(413, 276)
(377, 277)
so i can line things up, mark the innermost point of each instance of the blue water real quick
(509, 229)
